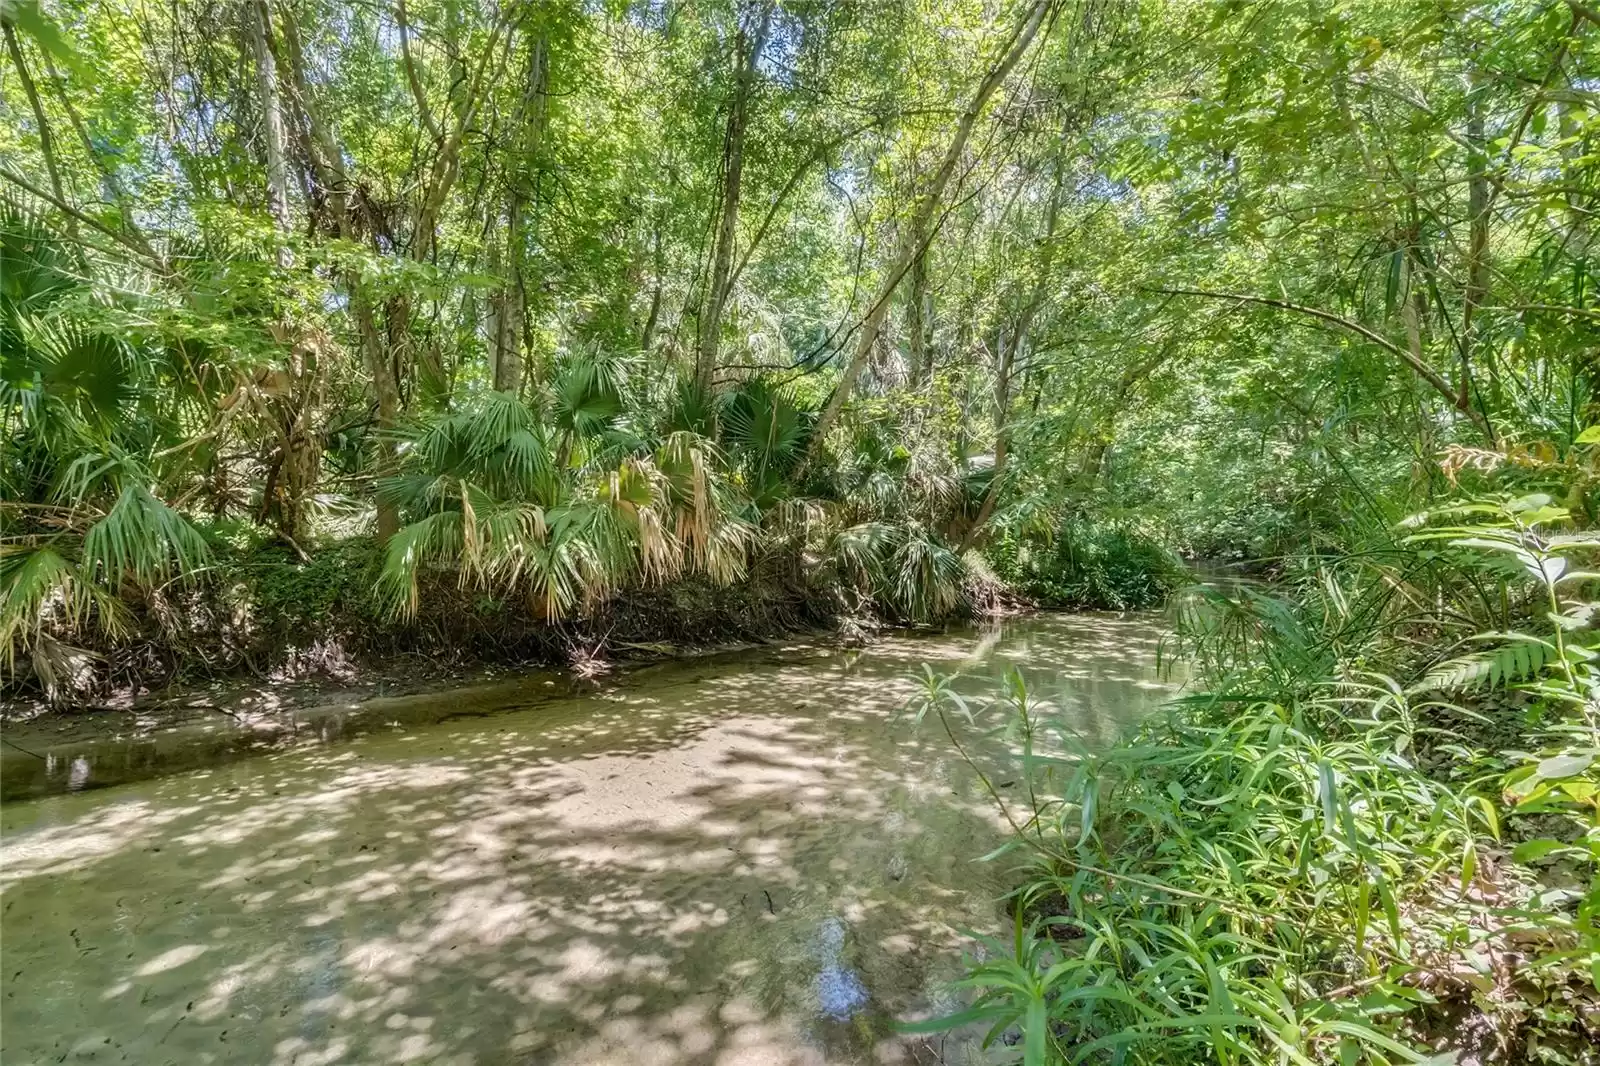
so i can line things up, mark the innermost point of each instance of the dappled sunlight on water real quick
(731, 861)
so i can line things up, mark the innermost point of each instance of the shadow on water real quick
(722, 862)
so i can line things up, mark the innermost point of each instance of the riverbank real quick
(265, 616)
(269, 620)
(187, 726)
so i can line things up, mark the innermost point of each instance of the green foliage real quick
(1081, 564)
(326, 596)
(1182, 904)
(1522, 659)
(768, 431)
(568, 301)
(495, 503)
(1305, 863)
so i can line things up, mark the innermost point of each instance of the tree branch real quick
(1422, 369)
(135, 246)
(413, 79)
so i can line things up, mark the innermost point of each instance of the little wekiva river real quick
(744, 859)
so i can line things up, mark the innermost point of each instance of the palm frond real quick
(436, 538)
(143, 539)
(38, 580)
(928, 578)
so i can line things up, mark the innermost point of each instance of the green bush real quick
(1086, 565)
(331, 591)
(1238, 886)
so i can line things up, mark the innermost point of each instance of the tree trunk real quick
(1002, 437)
(299, 442)
(46, 141)
(922, 219)
(386, 390)
(332, 200)
(648, 336)
(919, 318)
(1477, 272)
(272, 134)
(505, 326)
(510, 303)
(1570, 124)
(749, 51)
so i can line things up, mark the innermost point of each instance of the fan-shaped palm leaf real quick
(35, 580)
(143, 539)
(588, 395)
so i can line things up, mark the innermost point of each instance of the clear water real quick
(745, 860)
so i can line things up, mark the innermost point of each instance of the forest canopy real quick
(548, 300)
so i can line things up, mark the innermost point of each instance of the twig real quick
(24, 750)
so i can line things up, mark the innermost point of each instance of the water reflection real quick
(729, 861)
(840, 993)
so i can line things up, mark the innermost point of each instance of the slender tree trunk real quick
(1413, 304)
(1570, 124)
(749, 51)
(1477, 271)
(272, 135)
(511, 301)
(386, 391)
(299, 443)
(922, 218)
(504, 327)
(919, 317)
(653, 319)
(333, 200)
(1002, 436)
(47, 147)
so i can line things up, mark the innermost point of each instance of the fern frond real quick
(1520, 660)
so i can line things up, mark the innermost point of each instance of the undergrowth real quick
(1322, 856)
(1082, 564)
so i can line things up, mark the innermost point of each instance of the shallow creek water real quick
(738, 860)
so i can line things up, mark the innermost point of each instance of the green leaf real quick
(1530, 850)
(1561, 766)
(1491, 817)
(1519, 660)
(29, 17)
(946, 1022)
(1326, 791)
(1391, 911)
(1035, 1032)
(1531, 502)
